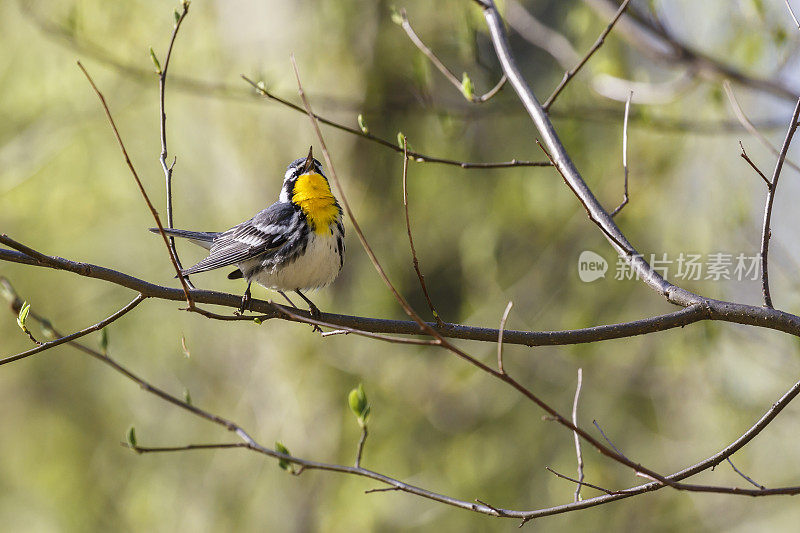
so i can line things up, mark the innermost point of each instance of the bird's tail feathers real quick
(200, 238)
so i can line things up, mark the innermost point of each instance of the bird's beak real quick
(309, 164)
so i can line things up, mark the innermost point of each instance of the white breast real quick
(317, 267)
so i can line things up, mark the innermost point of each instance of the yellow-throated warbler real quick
(295, 244)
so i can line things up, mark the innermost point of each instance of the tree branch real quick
(441, 67)
(418, 157)
(147, 201)
(162, 82)
(773, 185)
(595, 47)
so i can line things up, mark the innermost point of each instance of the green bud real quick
(467, 87)
(257, 321)
(362, 124)
(283, 463)
(155, 61)
(186, 396)
(396, 15)
(23, 316)
(262, 86)
(359, 404)
(177, 16)
(131, 437)
(401, 140)
(104, 341)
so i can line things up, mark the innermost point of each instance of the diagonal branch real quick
(414, 259)
(420, 158)
(595, 47)
(748, 125)
(441, 67)
(172, 257)
(78, 334)
(566, 167)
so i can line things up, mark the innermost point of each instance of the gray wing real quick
(265, 232)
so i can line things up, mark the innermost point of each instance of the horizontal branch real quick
(708, 310)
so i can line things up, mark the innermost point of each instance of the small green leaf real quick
(283, 463)
(186, 396)
(359, 404)
(467, 87)
(104, 341)
(395, 15)
(23, 316)
(131, 437)
(401, 139)
(155, 61)
(257, 321)
(177, 16)
(362, 124)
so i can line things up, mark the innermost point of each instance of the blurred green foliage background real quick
(484, 237)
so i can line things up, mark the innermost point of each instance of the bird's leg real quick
(287, 299)
(313, 309)
(245, 299)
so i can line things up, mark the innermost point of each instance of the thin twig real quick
(417, 156)
(157, 219)
(414, 258)
(441, 67)
(762, 487)
(580, 483)
(596, 46)
(624, 155)
(162, 82)
(385, 489)
(490, 506)
(766, 231)
(578, 452)
(187, 447)
(361, 442)
(791, 12)
(69, 338)
(628, 251)
(753, 166)
(748, 125)
(346, 204)
(501, 330)
(606, 438)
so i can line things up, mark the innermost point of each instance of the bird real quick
(295, 244)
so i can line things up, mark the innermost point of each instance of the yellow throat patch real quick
(313, 194)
